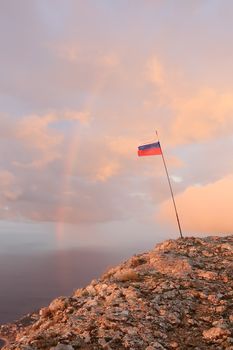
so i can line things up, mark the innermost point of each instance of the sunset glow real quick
(84, 85)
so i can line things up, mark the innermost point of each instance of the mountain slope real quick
(177, 296)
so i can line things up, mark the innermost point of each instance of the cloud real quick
(67, 51)
(155, 72)
(107, 171)
(72, 115)
(38, 137)
(35, 128)
(198, 113)
(122, 146)
(34, 132)
(6, 178)
(203, 116)
(203, 209)
(10, 190)
(74, 53)
(87, 83)
(45, 189)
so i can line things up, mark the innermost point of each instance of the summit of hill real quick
(179, 295)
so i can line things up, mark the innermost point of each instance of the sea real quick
(42, 261)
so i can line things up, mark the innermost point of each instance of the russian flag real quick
(151, 149)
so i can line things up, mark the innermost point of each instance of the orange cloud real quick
(43, 142)
(122, 146)
(107, 171)
(6, 178)
(35, 129)
(196, 113)
(87, 57)
(206, 209)
(9, 187)
(155, 72)
(203, 115)
(74, 53)
(67, 51)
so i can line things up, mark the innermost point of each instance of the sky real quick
(84, 83)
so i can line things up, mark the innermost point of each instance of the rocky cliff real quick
(177, 296)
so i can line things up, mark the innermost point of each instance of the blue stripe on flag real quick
(149, 146)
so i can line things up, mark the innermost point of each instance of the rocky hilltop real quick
(177, 296)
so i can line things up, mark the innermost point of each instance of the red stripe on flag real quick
(150, 152)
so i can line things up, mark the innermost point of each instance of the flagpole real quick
(170, 186)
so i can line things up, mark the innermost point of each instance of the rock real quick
(215, 332)
(170, 265)
(45, 312)
(91, 290)
(208, 275)
(177, 296)
(62, 347)
(155, 346)
(58, 304)
(174, 345)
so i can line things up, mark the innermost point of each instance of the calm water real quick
(41, 262)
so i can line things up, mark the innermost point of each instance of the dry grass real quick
(126, 275)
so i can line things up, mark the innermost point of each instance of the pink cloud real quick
(34, 129)
(202, 116)
(197, 113)
(41, 142)
(10, 189)
(6, 178)
(206, 209)
(34, 132)
(107, 170)
(88, 91)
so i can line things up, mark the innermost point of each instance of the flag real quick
(151, 149)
